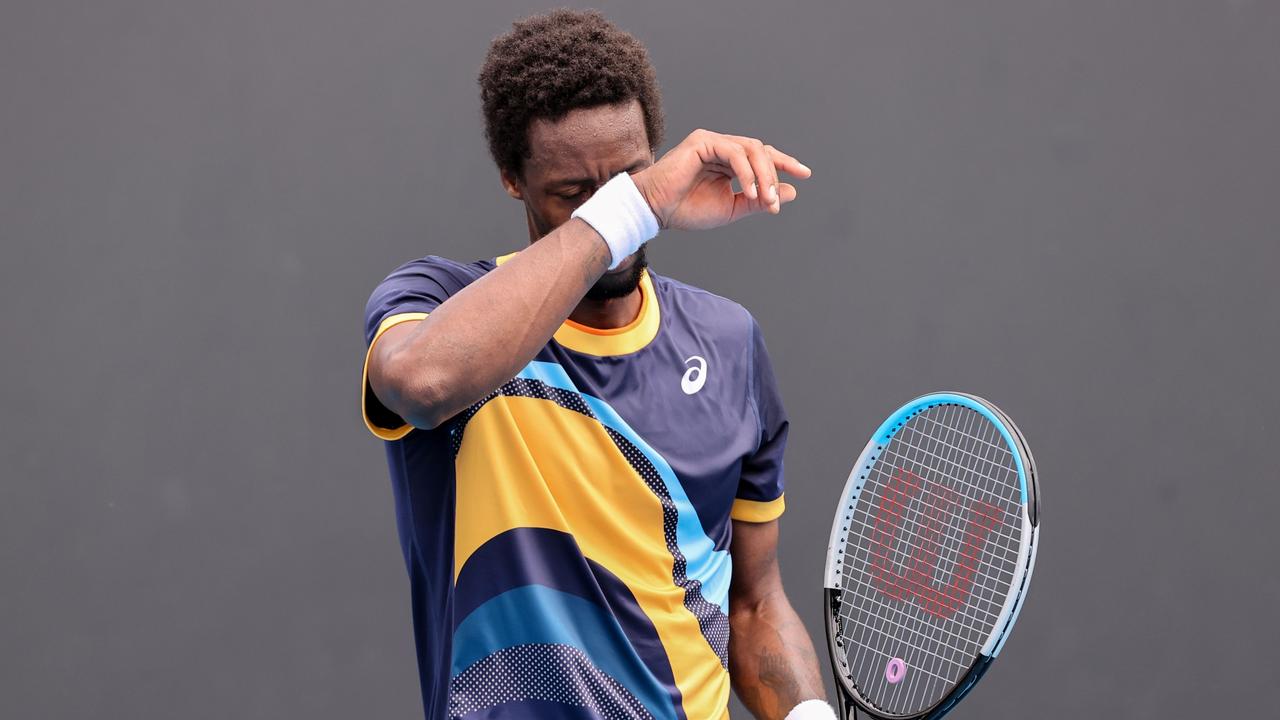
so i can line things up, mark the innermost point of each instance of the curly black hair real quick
(550, 64)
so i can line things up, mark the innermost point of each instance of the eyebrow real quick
(585, 180)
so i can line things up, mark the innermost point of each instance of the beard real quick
(611, 286)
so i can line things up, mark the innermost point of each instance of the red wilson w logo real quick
(911, 577)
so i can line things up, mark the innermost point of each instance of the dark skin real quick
(772, 663)
(428, 371)
(572, 158)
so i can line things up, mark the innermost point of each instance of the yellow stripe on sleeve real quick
(368, 399)
(757, 511)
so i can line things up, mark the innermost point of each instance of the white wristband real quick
(621, 215)
(812, 710)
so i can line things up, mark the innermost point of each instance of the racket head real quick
(931, 553)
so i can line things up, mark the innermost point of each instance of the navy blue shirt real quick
(567, 536)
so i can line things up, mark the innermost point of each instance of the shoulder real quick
(710, 313)
(431, 274)
(441, 270)
(419, 286)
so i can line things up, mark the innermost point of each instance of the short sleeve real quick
(409, 293)
(760, 489)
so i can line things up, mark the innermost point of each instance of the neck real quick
(608, 314)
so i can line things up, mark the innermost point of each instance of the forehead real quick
(587, 138)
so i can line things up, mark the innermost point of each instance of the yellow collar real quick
(615, 341)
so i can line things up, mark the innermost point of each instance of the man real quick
(587, 456)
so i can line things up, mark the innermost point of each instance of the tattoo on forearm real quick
(777, 668)
(779, 675)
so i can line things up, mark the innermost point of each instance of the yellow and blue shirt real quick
(567, 537)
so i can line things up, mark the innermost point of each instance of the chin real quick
(621, 281)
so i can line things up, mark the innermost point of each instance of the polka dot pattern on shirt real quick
(549, 672)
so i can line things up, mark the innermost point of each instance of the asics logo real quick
(696, 376)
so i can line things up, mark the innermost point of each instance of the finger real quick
(786, 192)
(744, 206)
(781, 161)
(766, 174)
(788, 164)
(733, 153)
(748, 189)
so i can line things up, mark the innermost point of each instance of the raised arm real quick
(428, 371)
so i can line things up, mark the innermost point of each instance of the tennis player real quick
(587, 455)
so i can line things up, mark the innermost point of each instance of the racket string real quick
(961, 447)
(884, 625)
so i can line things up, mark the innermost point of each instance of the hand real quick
(690, 187)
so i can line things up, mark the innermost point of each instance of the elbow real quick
(424, 417)
(419, 395)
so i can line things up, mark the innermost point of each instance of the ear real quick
(511, 184)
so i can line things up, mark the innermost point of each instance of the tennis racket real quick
(930, 557)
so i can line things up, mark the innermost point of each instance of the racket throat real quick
(845, 706)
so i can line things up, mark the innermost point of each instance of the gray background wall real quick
(1067, 207)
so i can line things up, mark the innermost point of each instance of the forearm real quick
(484, 335)
(772, 662)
